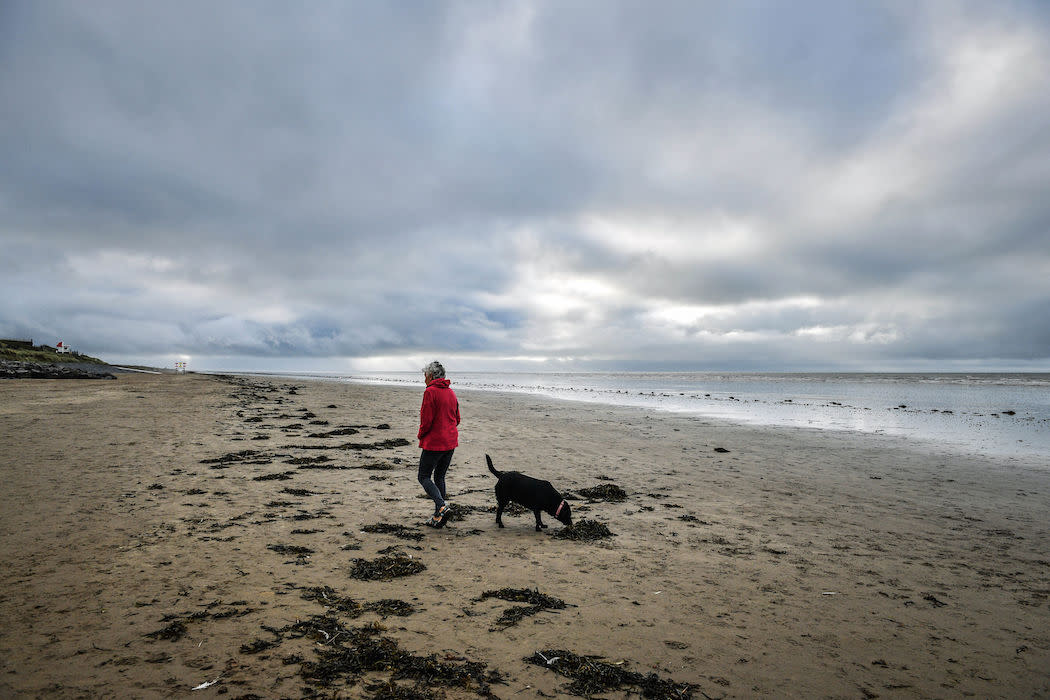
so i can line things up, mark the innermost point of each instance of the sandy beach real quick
(197, 536)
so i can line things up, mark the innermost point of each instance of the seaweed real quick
(245, 456)
(382, 444)
(307, 460)
(605, 492)
(334, 433)
(176, 627)
(386, 568)
(387, 607)
(362, 650)
(289, 549)
(537, 603)
(932, 600)
(525, 595)
(354, 544)
(584, 530)
(590, 675)
(512, 616)
(459, 511)
(399, 531)
(307, 515)
(327, 596)
(377, 467)
(298, 492)
(258, 645)
(511, 509)
(330, 598)
(172, 632)
(389, 690)
(279, 476)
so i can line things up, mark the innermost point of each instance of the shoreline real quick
(942, 446)
(716, 575)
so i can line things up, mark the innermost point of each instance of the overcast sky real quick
(550, 185)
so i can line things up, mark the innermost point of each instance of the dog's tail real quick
(492, 468)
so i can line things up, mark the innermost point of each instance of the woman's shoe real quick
(443, 515)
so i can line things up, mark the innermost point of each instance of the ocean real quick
(993, 414)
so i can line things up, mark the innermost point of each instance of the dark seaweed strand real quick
(590, 675)
(525, 595)
(584, 530)
(385, 568)
(354, 652)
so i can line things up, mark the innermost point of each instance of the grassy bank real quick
(19, 352)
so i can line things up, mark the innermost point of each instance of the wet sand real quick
(795, 564)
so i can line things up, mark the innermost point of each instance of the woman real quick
(438, 438)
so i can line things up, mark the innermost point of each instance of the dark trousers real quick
(436, 464)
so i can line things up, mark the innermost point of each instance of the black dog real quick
(532, 493)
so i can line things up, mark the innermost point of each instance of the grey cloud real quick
(354, 180)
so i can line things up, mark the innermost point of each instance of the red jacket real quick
(438, 417)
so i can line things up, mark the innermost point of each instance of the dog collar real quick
(560, 506)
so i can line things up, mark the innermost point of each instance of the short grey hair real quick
(434, 370)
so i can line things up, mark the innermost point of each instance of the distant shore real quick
(164, 532)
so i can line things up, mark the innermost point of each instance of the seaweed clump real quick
(537, 602)
(525, 595)
(278, 476)
(289, 549)
(172, 632)
(380, 445)
(584, 530)
(399, 531)
(302, 554)
(591, 676)
(329, 597)
(386, 568)
(257, 645)
(243, 457)
(390, 607)
(298, 492)
(176, 627)
(605, 492)
(350, 653)
(334, 433)
(299, 461)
